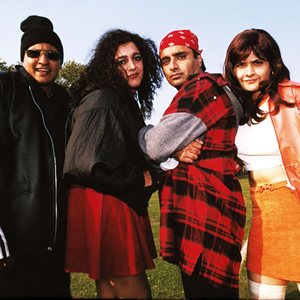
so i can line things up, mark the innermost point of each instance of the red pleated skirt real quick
(105, 237)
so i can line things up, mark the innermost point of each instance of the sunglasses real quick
(52, 55)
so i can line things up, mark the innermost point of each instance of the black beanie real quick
(39, 30)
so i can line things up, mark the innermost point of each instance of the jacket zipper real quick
(54, 160)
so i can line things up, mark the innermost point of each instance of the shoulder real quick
(209, 77)
(204, 84)
(289, 83)
(289, 90)
(62, 96)
(11, 81)
(102, 98)
(60, 90)
(205, 81)
(6, 77)
(106, 97)
(202, 92)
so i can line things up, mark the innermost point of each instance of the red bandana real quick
(180, 38)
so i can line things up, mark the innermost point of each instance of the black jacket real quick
(103, 152)
(33, 202)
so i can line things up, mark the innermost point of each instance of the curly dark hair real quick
(102, 70)
(264, 47)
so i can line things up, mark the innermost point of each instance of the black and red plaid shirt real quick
(202, 207)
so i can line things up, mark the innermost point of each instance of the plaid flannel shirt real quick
(202, 207)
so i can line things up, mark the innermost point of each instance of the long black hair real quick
(102, 70)
(264, 47)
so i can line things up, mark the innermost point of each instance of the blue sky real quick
(80, 23)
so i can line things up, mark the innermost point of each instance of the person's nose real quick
(173, 65)
(130, 64)
(250, 70)
(43, 58)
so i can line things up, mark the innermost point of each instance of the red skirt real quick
(105, 237)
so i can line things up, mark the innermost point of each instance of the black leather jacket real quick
(33, 203)
(103, 151)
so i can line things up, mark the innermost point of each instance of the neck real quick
(133, 92)
(255, 95)
(178, 87)
(47, 89)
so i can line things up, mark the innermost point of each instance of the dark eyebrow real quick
(124, 56)
(174, 54)
(179, 53)
(121, 57)
(165, 57)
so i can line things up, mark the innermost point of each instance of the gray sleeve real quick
(172, 133)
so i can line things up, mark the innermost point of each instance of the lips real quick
(133, 76)
(250, 80)
(176, 75)
(43, 70)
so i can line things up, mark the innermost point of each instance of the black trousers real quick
(196, 288)
(35, 275)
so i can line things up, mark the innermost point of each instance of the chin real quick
(135, 86)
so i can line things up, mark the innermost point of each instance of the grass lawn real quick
(165, 280)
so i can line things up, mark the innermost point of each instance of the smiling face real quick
(130, 62)
(178, 63)
(42, 69)
(251, 71)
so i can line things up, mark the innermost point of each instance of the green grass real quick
(165, 280)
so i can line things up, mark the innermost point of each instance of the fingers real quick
(191, 155)
(199, 141)
(197, 144)
(188, 156)
(193, 149)
(190, 152)
(186, 160)
(178, 155)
